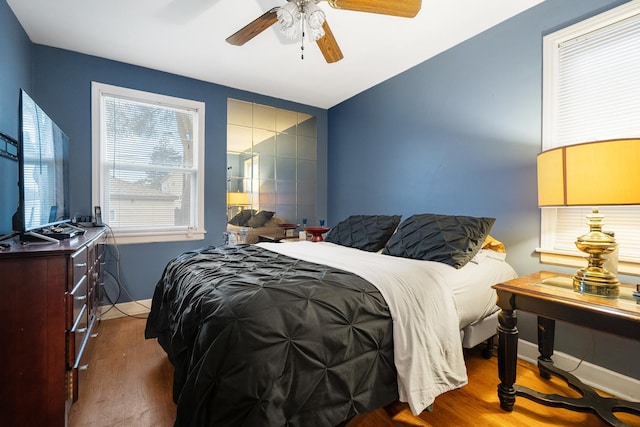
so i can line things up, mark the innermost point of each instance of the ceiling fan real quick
(303, 18)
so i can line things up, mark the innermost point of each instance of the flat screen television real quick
(43, 167)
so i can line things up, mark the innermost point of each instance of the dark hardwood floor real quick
(129, 383)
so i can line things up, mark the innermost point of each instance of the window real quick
(148, 164)
(592, 92)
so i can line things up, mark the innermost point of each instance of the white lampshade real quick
(315, 17)
(289, 18)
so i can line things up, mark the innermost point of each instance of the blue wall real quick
(459, 134)
(60, 82)
(15, 73)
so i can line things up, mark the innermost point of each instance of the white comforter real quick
(427, 347)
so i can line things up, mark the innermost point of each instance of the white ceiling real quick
(187, 37)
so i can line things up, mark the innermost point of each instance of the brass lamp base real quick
(595, 279)
(598, 282)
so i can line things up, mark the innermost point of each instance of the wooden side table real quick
(551, 297)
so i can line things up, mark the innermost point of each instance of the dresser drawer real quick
(81, 339)
(79, 263)
(77, 320)
(77, 336)
(76, 302)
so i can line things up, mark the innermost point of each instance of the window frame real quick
(194, 231)
(551, 44)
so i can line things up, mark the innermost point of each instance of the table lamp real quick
(592, 174)
(236, 199)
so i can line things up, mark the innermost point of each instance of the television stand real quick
(7, 236)
(52, 234)
(49, 317)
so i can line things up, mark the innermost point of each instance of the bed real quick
(312, 334)
(256, 225)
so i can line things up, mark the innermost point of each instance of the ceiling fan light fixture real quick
(315, 17)
(289, 20)
(299, 19)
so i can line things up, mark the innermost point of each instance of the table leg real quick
(507, 358)
(546, 337)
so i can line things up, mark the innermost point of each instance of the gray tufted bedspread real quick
(261, 339)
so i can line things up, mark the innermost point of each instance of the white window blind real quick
(148, 164)
(592, 92)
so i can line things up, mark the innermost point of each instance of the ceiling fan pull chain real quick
(304, 18)
(302, 39)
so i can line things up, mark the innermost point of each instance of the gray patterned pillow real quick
(260, 219)
(366, 232)
(242, 217)
(450, 239)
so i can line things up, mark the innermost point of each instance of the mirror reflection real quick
(271, 166)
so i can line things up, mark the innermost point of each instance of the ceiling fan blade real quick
(254, 28)
(404, 8)
(329, 46)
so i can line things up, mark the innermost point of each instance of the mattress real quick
(471, 285)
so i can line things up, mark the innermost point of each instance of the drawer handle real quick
(81, 330)
(80, 298)
(83, 367)
(82, 264)
(95, 335)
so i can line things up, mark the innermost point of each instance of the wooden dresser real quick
(49, 295)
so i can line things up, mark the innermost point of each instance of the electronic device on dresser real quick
(98, 217)
(43, 184)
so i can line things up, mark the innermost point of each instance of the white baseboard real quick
(133, 308)
(595, 376)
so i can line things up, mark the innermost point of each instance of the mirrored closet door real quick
(271, 161)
